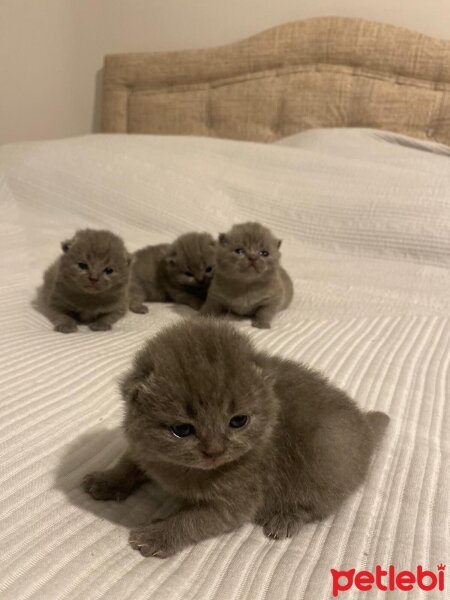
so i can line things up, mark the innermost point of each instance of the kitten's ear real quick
(260, 365)
(223, 239)
(279, 243)
(170, 255)
(134, 384)
(66, 245)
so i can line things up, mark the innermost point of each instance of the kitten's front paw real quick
(101, 486)
(280, 527)
(260, 324)
(66, 327)
(140, 309)
(153, 540)
(99, 326)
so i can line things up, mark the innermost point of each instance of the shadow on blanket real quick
(97, 451)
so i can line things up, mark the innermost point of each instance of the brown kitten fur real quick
(88, 283)
(180, 272)
(304, 448)
(249, 279)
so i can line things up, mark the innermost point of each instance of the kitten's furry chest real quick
(86, 308)
(183, 483)
(172, 291)
(195, 485)
(246, 300)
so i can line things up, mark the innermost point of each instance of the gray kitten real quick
(180, 272)
(237, 435)
(88, 283)
(249, 279)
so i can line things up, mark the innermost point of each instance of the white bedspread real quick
(366, 236)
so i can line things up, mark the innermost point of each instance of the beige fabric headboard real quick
(325, 72)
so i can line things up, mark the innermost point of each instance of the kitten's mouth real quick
(92, 287)
(213, 463)
(209, 463)
(252, 266)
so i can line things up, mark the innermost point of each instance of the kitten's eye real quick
(83, 266)
(239, 251)
(189, 274)
(208, 269)
(263, 253)
(238, 421)
(182, 430)
(108, 270)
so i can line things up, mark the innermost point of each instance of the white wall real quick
(51, 50)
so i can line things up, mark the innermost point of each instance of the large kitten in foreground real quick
(180, 272)
(249, 279)
(237, 435)
(88, 283)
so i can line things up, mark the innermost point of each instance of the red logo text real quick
(389, 579)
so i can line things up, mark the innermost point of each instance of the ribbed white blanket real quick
(366, 236)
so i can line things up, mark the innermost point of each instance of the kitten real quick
(180, 272)
(249, 279)
(237, 435)
(88, 283)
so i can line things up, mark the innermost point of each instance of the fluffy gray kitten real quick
(237, 435)
(88, 283)
(180, 272)
(249, 279)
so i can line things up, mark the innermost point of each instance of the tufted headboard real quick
(324, 72)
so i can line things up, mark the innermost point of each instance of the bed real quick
(364, 214)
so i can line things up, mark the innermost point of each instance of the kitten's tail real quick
(378, 422)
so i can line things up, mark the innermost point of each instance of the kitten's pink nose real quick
(252, 257)
(213, 450)
(93, 279)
